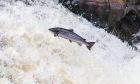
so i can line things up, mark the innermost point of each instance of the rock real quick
(135, 40)
(119, 17)
(96, 10)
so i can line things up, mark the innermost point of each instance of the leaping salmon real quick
(71, 36)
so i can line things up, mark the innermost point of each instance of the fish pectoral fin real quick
(70, 40)
(71, 30)
(79, 44)
(55, 34)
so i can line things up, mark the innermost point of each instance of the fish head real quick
(53, 30)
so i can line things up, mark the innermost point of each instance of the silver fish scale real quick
(72, 35)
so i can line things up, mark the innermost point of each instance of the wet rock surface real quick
(119, 17)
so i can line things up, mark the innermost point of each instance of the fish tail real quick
(90, 44)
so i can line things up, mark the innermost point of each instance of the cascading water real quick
(30, 54)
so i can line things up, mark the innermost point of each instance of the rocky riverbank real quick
(119, 17)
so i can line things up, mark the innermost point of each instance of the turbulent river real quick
(30, 54)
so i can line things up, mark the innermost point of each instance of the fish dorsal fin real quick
(71, 30)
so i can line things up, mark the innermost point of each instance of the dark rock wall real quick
(119, 17)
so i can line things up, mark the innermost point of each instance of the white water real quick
(30, 54)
